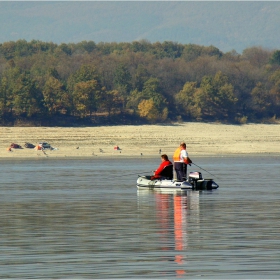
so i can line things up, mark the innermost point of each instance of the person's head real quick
(164, 157)
(183, 146)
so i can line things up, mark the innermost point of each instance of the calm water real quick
(86, 219)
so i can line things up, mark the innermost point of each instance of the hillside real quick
(226, 25)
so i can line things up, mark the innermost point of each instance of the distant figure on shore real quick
(159, 151)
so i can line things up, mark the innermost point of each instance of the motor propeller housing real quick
(195, 175)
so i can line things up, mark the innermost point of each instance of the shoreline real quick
(202, 139)
(20, 158)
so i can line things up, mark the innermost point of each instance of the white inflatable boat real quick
(194, 182)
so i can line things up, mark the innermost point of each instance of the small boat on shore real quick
(194, 182)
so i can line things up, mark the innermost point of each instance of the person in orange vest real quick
(181, 160)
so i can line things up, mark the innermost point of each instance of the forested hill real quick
(90, 83)
(227, 25)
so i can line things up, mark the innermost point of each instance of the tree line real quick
(44, 83)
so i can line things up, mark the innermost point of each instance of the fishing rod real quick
(131, 174)
(204, 170)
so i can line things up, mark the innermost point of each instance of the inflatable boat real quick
(194, 182)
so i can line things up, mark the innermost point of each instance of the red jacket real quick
(161, 167)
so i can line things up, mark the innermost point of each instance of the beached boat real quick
(194, 182)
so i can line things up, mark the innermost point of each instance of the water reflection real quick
(70, 219)
(174, 211)
(180, 229)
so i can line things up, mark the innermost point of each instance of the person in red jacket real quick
(162, 170)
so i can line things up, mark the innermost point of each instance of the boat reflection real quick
(173, 215)
(180, 230)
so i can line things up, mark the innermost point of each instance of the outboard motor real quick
(198, 183)
(194, 176)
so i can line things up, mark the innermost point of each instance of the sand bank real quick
(202, 140)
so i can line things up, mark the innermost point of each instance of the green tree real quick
(186, 101)
(83, 74)
(134, 99)
(152, 98)
(152, 91)
(140, 77)
(110, 101)
(84, 97)
(55, 97)
(122, 82)
(65, 48)
(8, 84)
(275, 79)
(216, 97)
(192, 52)
(89, 46)
(86, 73)
(4, 95)
(8, 50)
(275, 92)
(27, 98)
(261, 101)
(275, 58)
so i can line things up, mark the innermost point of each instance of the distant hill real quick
(227, 25)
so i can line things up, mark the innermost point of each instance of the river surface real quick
(85, 219)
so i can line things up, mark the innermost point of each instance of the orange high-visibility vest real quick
(176, 156)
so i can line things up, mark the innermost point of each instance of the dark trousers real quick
(181, 171)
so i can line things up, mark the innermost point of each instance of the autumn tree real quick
(170, 79)
(83, 74)
(84, 97)
(82, 86)
(151, 97)
(148, 110)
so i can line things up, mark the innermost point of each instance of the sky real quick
(227, 25)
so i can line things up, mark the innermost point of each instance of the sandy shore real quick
(202, 140)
